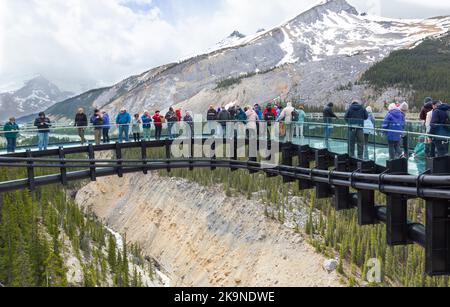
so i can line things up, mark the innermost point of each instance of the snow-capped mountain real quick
(308, 57)
(36, 95)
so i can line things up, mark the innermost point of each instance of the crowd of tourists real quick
(359, 120)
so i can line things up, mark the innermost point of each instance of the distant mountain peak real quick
(317, 12)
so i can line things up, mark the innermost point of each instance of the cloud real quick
(81, 44)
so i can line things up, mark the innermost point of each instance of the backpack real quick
(270, 116)
(295, 116)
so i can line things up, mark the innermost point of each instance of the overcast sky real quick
(81, 44)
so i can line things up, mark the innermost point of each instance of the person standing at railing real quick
(123, 121)
(81, 122)
(189, 123)
(299, 121)
(158, 120)
(430, 147)
(427, 107)
(136, 128)
(224, 117)
(171, 118)
(97, 122)
(43, 125)
(11, 130)
(211, 117)
(440, 126)
(287, 115)
(394, 124)
(328, 117)
(369, 130)
(146, 125)
(106, 127)
(355, 117)
(270, 116)
(252, 119)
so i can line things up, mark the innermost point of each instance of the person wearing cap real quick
(43, 125)
(11, 130)
(123, 121)
(355, 117)
(97, 122)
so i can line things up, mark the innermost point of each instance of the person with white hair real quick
(369, 130)
(286, 116)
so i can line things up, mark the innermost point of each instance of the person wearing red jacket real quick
(157, 120)
(179, 115)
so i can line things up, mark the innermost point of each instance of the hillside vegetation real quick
(425, 69)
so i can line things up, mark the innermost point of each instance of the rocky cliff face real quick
(308, 58)
(203, 238)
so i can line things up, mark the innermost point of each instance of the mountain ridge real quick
(307, 57)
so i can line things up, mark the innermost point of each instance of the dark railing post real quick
(438, 226)
(30, 172)
(397, 207)
(144, 157)
(304, 160)
(63, 169)
(119, 158)
(168, 155)
(235, 151)
(366, 198)
(323, 190)
(213, 156)
(91, 154)
(287, 153)
(191, 153)
(342, 198)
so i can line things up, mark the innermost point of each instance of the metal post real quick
(438, 226)
(287, 153)
(342, 197)
(144, 156)
(235, 151)
(397, 207)
(304, 159)
(30, 172)
(366, 199)
(63, 170)
(91, 154)
(119, 158)
(168, 155)
(323, 190)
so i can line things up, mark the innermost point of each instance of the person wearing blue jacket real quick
(123, 121)
(393, 122)
(440, 126)
(146, 125)
(106, 127)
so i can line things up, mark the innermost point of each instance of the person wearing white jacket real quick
(252, 118)
(286, 115)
